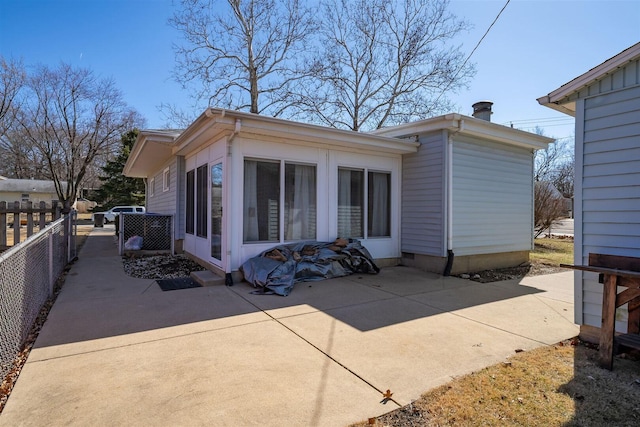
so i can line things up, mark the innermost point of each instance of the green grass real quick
(552, 251)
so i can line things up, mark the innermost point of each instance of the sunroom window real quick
(353, 196)
(272, 190)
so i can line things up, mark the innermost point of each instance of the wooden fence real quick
(17, 214)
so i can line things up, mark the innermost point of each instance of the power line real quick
(472, 52)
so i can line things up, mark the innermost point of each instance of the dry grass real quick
(559, 385)
(552, 251)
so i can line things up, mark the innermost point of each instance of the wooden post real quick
(16, 223)
(633, 326)
(42, 220)
(55, 210)
(607, 330)
(3, 225)
(29, 219)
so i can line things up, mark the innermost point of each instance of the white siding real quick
(610, 181)
(492, 197)
(423, 197)
(181, 190)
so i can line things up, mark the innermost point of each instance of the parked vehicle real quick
(110, 215)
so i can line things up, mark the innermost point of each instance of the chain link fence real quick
(155, 231)
(28, 273)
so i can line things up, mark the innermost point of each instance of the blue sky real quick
(535, 47)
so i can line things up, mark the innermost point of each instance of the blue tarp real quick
(278, 269)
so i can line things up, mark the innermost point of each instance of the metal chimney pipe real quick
(482, 110)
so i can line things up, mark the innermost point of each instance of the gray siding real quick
(627, 76)
(163, 202)
(610, 180)
(423, 197)
(492, 197)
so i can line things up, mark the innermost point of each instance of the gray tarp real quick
(279, 268)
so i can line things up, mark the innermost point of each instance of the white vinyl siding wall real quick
(423, 197)
(610, 179)
(492, 197)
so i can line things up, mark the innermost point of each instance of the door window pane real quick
(216, 211)
(350, 203)
(189, 214)
(261, 212)
(378, 204)
(201, 200)
(299, 202)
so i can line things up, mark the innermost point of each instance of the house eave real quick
(470, 126)
(151, 150)
(557, 98)
(218, 123)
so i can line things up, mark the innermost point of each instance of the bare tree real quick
(12, 79)
(549, 206)
(384, 62)
(242, 54)
(20, 158)
(563, 177)
(71, 117)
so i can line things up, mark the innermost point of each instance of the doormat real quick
(176, 284)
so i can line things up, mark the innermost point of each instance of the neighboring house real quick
(27, 190)
(240, 183)
(606, 104)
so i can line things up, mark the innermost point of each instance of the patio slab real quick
(117, 350)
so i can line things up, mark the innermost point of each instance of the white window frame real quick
(152, 187)
(282, 164)
(166, 180)
(365, 225)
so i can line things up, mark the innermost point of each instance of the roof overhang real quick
(469, 126)
(558, 99)
(154, 148)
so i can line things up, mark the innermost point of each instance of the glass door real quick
(216, 211)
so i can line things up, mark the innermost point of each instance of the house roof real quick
(28, 186)
(558, 99)
(470, 126)
(154, 148)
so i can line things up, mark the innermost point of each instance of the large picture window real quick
(299, 202)
(350, 203)
(353, 197)
(379, 205)
(261, 211)
(264, 183)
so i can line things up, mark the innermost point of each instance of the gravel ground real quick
(497, 275)
(160, 267)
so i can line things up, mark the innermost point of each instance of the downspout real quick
(228, 277)
(450, 254)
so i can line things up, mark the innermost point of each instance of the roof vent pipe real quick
(482, 110)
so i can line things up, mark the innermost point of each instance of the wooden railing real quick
(17, 214)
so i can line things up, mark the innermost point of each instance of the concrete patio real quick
(117, 350)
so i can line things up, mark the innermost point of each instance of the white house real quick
(605, 102)
(240, 183)
(27, 190)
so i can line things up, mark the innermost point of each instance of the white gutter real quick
(460, 128)
(227, 203)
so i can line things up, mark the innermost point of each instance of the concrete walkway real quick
(118, 351)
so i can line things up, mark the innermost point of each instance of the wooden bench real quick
(616, 271)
